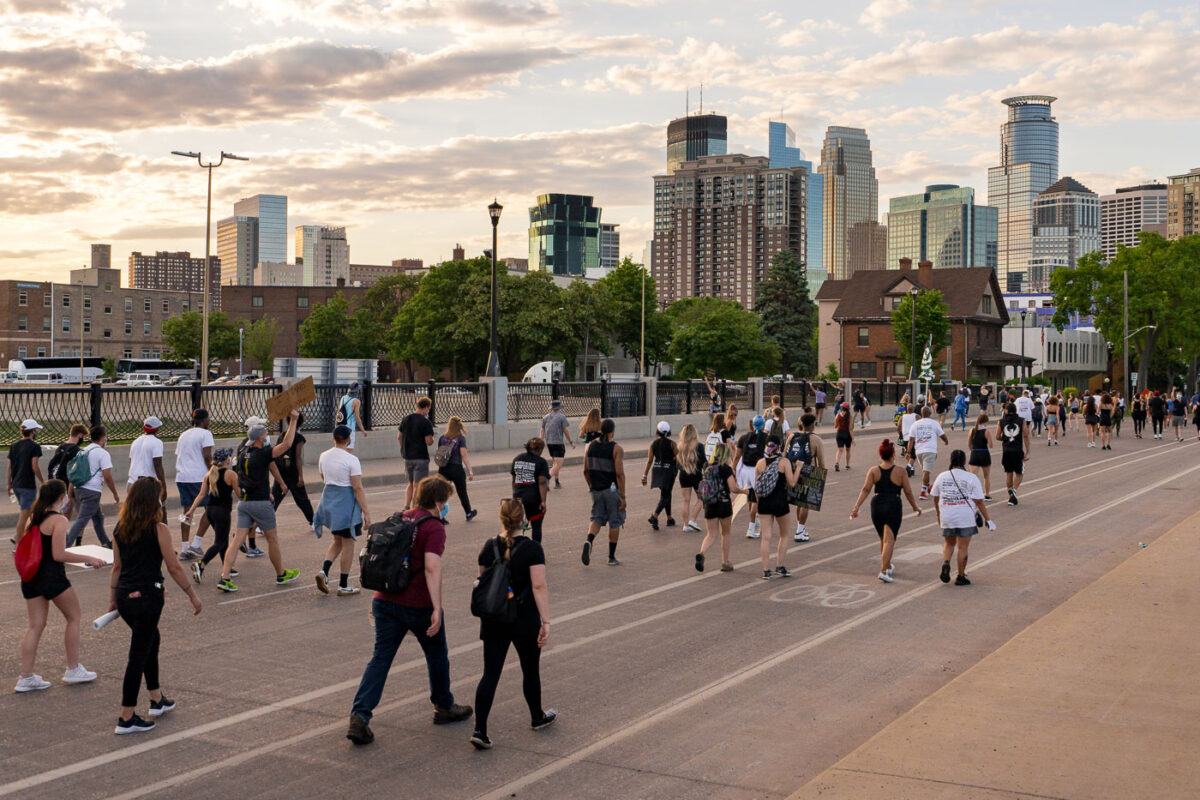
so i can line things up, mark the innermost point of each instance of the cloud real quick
(155, 232)
(35, 7)
(877, 13)
(400, 15)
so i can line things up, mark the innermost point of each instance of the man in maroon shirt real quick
(417, 609)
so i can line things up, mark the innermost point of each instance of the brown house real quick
(855, 317)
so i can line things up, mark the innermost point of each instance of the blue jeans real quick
(88, 503)
(959, 416)
(392, 622)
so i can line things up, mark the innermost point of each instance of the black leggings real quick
(533, 513)
(1139, 424)
(141, 615)
(495, 650)
(458, 476)
(1158, 424)
(219, 518)
(299, 496)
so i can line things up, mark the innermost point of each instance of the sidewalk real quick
(1095, 700)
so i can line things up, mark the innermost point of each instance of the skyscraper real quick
(1066, 227)
(323, 254)
(942, 225)
(691, 137)
(610, 247)
(784, 154)
(718, 222)
(851, 196)
(1028, 165)
(271, 212)
(237, 247)
(176, 272)
(1183, 204)
(564, 235)
(1129, 211)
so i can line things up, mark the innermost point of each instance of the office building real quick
(289, 305)
(693, 136)
(1028, 165)
(278, 273)
(515, 264)
(323, 254)
(409, 264)
(237, 248)
(942, 225)
(1066, 227)
(271, 212)
(718, 222)
(102, 256)
(1183, 204)
(783, 152)
(1129, 211)
(868, 244)
(564, 235)
(176, 272)
(610, 247)
(851, 196)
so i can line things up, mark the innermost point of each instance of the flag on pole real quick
(927, 361)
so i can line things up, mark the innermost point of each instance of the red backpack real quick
(28, 555)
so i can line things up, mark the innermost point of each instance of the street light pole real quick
(642, 353)
(210, 166)
(81, 381)
(493, 365)
(1125, 289)
(912, 353)
(241, 366)
(1022, 369)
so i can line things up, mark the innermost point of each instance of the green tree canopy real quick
(445, 325)
(332, 331)
(181, 337)
(624, 287)
(716, 334)
(258, 344)
(789, 316)
(932, 320)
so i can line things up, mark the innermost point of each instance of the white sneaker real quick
(196, 551)
(883, 576)
(78, 674)
(692, 524)
(891, 570)
(801, 535)
(34, 683)
(344, 591)
(752, 531)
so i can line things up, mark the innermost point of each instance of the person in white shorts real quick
(923, 436)
(749, 451)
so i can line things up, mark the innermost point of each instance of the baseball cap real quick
(30, 425)
(341, 433)
(254, 420)
(355, 388)
(151, 423)
(664, 427)
(256, 433)
(556, 403)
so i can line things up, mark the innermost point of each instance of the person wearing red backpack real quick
(48, 585)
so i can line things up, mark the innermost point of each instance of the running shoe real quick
(78, 674)
(197, 572)
(752, 531)
(885, 578)
(161, 707)
(134, 724)
(987, 497)
(726, 567)
(323, 582)
(548, 718)
(1012, 497)
(909, 469)
(783, 572)
(34, 683)
(613, 562)
(196, 551)
(945, 576)
(244, 548)
(891, 571)
(766, 576)
(226, 585)
(480, 741)
(186, 554)
(837, 467)
(557, 485)
(472, 514)
(288, 576)
(924, 494)
(359, 731)
(801, 535)
(699, 562)
(692, 526)
(653, 522)
(347, 591)
(962, 580)
(670, 522)
(455, 713)
(586, 558)
(254, 552)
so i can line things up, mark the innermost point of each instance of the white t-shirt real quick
(925, 432)
(189, 455)
(337, 466)
(906, 423)
(98, 461)
(771, 422)
(1025, 408)
(142, 453)
(958, 511)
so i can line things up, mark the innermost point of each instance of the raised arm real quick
(863, 492)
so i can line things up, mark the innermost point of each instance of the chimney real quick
(906, 263)
(341, 283)
(925, 273)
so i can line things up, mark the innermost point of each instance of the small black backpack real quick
(384, 563)
(492, 598)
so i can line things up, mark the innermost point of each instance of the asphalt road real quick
(670, 683)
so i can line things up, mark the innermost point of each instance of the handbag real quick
(28, 555)
(978, 516)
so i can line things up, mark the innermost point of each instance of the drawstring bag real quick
(28, 555)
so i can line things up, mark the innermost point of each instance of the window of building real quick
(301, 302)
(146, 328)
(256, 301)
(46, 300)
(66, 324)
(899, 368)
(166, 306)
(46, 324)
(185, 305)
(108, 309)
(864, 337)
(108, 286)
(863, 369)
(87, 303)
(41, 352)
(66, 301)
(87, 325)
(156, 354)
(128, 327)
(22, 323)
(107, 333)
(21, 352)
(987, 304)
(128, 304)
(22, 298)
(146, 306)
(87, 352)
(145, 352)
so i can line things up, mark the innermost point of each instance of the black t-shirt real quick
(943, 405)
(415, 429)
(525, 554)
(1179, 408)
(257, 484)
(1011, 433)
(1158, 407)
(526, 470)
(287, 462)
(21, 456)
(751, 447)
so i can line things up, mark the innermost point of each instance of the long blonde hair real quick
(454, 428)
(214, 471)
(512, 514)
(720, 454)
(688, 439)
(590, 424)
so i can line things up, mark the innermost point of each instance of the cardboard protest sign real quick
(296, 396)
(810, 489)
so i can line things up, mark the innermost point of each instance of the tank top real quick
(841, 422)
(48, 568)
(224, 494)
(141, 561)
(979, 440)
(885, 487)
(602, 467)
(664, 453)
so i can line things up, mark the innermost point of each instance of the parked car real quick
(177, 380)
(140, 379)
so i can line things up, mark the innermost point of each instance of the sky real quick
(402, 119)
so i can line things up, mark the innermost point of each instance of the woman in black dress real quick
(660, 457)
(979, 445)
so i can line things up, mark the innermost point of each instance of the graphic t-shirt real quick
(525, 470)
(1011, 429)
(955, 500)
(924, 433)
(1025, 408)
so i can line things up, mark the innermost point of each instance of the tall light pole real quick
(642, 354)
(81, 381)
(241, 366)
(1125, 289)
(1024, 312)
(210, 166)
(493, 365)
(912, 353)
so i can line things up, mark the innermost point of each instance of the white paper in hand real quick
(100, 622)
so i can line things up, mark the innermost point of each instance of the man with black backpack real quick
(57, 469)
(804, 449)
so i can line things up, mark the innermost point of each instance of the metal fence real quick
(531, 401)
(55, 408)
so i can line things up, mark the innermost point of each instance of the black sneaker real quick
(455, 713)
(962, 580)
(670, 522)
(161, 707)
(766, 575)
(909, 469)
(837, 467)
(783, 572)
(699, 562)
(472, 514)
(1012, 497)
(481, 741)
(557, 485)
(360, 730)
(945, 576)
(548, 719)
(613, 562)
(134, 724)
(587, 553)
(653, 522)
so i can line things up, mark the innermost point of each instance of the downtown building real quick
(1066, 227)
(718, 222)
(610, 248)
(783, 153)
(944, 226)
(1028, 166)
(850, 197)
(176, 272)
(255, 234)
(564, 235)
(1130, 211)
(323, 255)
(1183, 204)
(694, 136)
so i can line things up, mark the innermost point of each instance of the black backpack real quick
(241, 468)
(57, 468)
(384, 563)
(492, 597)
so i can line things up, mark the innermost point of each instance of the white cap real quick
(253, 421)
(664, 427)
(30, 425)
(151, 423)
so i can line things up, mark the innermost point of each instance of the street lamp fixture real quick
(210, 166)
(493, 365)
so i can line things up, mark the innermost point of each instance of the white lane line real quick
(740, 676)
(316, 694)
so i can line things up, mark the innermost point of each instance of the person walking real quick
(1178, 415)
(589, 429)
(819, 396)
(415, 436)
(89, 492)
(24, 473)
(904, 428)
(527, 634)
(979, 445)
(887, 512)
(349, 413)
(1014, 450)
(661, 459)
(1024, 404)
(50, 585)
(216, 497)
(255, 506)
(146, 458)
(862, 408)
(1157, 405)
(1062, 415)
(1073, 409)
(960, 410)
(942, 407)
(746, 454)
(923, 439)
(531, 484)
(556, 433)
(804, 449)
(1118, 413)
(457, 469)
(1196, 417)
(843, 435)
(717, 434)
(343, 510)
(143, 545)
(250, 547)
(775, 473)
(959, 497)
(289, 471)
(61, 460)
(1137, 412)
(416, 610)
(1039, 416)
(1052, 410)
(604, 472)
(1091, 419)
(193, 459)
(1107, 411)
(718, 509)
(690, 461)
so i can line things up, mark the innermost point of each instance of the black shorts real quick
(721, 510)
(344, 533)
(47, 584)
(844, 439)
(1013, 462)
(556, 450)
(689, 480)
(820, 406)
(886, 510)
(1091, 419)
(774, 505)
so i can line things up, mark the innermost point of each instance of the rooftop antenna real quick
(687, 102)
(701, 97)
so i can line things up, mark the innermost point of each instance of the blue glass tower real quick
(783, 152)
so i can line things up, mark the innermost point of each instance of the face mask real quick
(444, 512)
(267, 442)
(62, 507)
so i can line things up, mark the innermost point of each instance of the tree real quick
(109, 365)
(445, 324)
(716, 334)
(625, 286)
(259, 343)
(932, 321)
(377, 309)
(789, 316)
(590, 313)
(332, 331)
(181, 337)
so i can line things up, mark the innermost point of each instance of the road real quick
(670, 683)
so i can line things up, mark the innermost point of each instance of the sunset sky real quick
(402, 119)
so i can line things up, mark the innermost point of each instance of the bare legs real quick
(39, 610)
(961, 543)
(715, 528)
(769, 523)
(886, 545)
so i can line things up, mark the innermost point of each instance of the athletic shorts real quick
(820, 406)
(964, 533)
(1013, 462)
(256, 512)
(844, 439)
(745, 480)
(1178, 422)
(927, 460)
(606, 509)
(25, 497)
(348, 533)
(416, 470)
(556, 450)
(721, 510)
(188, 493)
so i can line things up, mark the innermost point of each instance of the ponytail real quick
(512, 514)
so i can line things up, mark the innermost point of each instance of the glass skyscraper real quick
(564, 235)
(1066, 227)
(1028, 166)
(851, 196)
(255, 234)
(783, 155)
(943, 225)
(690, 137)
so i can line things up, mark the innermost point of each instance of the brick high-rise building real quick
(718, 222)
(1129, 211)
(1183, 204)
(176, 272)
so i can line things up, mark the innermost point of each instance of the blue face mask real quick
(444, 512)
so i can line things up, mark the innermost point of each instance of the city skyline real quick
(402, 120)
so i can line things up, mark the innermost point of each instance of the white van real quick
(40, 377)
(140, 379)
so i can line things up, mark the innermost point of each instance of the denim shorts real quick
(965, 533)
(25, 497)
(606, 509)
